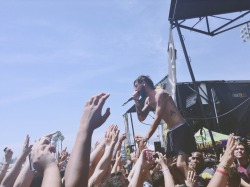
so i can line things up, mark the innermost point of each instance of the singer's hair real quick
(146, 79)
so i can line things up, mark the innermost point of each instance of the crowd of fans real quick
(104, 166)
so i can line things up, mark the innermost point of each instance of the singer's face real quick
(143, 92)
(139, 87)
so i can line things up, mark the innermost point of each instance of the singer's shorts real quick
(180, 140)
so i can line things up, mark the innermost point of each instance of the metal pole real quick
(132, 128)
(195, 86)
(216, 116)
(215, 110)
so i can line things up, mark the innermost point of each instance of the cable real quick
(224, 113)
(147, 123)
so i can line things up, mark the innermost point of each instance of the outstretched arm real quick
(104, 165)
(118, 145)
(118, 163)
(221, 175)
(95, 157)
(45, 163)
(10, 178)
(77, 170)
(144, 162)
(168, 179)
(8, 155)
(154, 126)
(25, 177)
(97, 154)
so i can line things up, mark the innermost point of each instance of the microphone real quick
(130, 99)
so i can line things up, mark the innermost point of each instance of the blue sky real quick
(54, 55)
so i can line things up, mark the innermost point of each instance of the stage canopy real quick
(187, 9)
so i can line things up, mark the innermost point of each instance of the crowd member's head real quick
(142, 83)
(197, 161)
(157, 178)
(241, 151)
(241, 158)
(233, 177)
(116, 180)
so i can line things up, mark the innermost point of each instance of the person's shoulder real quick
(161, 91)
(163, 94)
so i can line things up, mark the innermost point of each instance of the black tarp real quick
(186, 9)
(232, 105)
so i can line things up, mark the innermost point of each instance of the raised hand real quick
(142, 165)
(122, 137)
(92, 117)
(133, 157)
(12, 175)
(146, 159)
(108, 138)
(139, 138)
(111, 135)
(142, 145)
(171, 162)
(45, 163)
(164, 161)
(191, 179)
(115, 134)
(42, 157)
(228, 156)
(26, 147)
(220, 177)
(63, 155)
(118, 158)
(77, 170)
(8, 155)
(161, 159)
(44, 140)
(117, 164)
